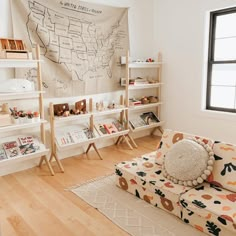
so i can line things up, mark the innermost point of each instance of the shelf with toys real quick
(86, 125)
(143, 92)
(15, 91)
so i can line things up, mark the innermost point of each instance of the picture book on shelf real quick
(28, 144)
(118, 125)
(11, 148)
(110, 128)
(78, 136)
(136, 122)
(64, 138)
(89, 133)
(3, 154)
(149, 118)
(100, 129)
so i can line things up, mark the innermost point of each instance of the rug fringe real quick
(88, 181)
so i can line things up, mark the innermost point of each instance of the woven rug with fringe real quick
(130, 213)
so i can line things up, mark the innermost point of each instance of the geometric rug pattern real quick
(133, 215)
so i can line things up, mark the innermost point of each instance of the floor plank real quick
(34, 203)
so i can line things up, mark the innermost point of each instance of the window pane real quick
(223, 97)
(224, 26)
(224, 74)
(225, 49)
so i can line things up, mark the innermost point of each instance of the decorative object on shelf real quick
(100, 106)
(22, 117)
(61, 109)
(16, 85)
(150, 60)
(5, 116)
(80, 107)
(13, 49)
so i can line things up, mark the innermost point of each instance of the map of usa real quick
(81, 44)
(76, 43)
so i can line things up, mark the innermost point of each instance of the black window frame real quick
(211, 61)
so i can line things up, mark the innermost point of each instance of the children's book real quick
(136, 122)
(89, 133)
(3, 154)
(100, 129)
(118, 125)
(28, 144)
(149, 118)
(11, 148)
(78, 136)
(111, 129)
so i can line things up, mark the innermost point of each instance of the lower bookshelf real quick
(20, 158)
(92, 140)
(150, 126)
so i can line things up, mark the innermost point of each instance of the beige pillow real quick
(188, 162)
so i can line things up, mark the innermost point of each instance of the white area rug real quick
(132, 214)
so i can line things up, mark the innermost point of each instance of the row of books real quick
(143, 119)
(78, 135)
(20, 146)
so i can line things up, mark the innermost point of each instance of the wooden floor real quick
(34, 203)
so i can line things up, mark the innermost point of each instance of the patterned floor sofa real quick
(208, 204)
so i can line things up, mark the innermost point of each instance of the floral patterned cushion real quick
(171, 137)
(213, 203)
(224, 169)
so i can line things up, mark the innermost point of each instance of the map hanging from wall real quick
(81, 44)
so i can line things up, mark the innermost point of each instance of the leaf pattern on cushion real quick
(217, 158)
(141, 173)
(228, 168)
(118, 172)
(159, 192)
(199, 204)
(212, 228)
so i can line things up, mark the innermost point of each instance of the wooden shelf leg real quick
(118, 140)
(44, 158)
(95, 148)
(89, 146)
(132, 141)
(127, 142)
(57, 161)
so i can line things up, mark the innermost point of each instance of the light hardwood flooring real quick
(34, 203)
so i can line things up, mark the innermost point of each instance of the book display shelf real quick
(13, 148)
(143, 94)
(85, 129)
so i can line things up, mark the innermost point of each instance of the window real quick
(221, 77)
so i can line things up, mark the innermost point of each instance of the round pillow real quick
(188, 162)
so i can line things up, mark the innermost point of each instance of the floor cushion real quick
(213, 204)
(145, 173)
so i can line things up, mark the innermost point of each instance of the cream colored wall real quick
(180, 34)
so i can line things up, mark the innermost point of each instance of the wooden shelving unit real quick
(38, 95)
(89, 118)
(156, 85)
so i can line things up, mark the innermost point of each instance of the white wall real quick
(180, 34)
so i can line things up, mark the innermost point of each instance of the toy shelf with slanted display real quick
(22, 95)
(81, 129)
